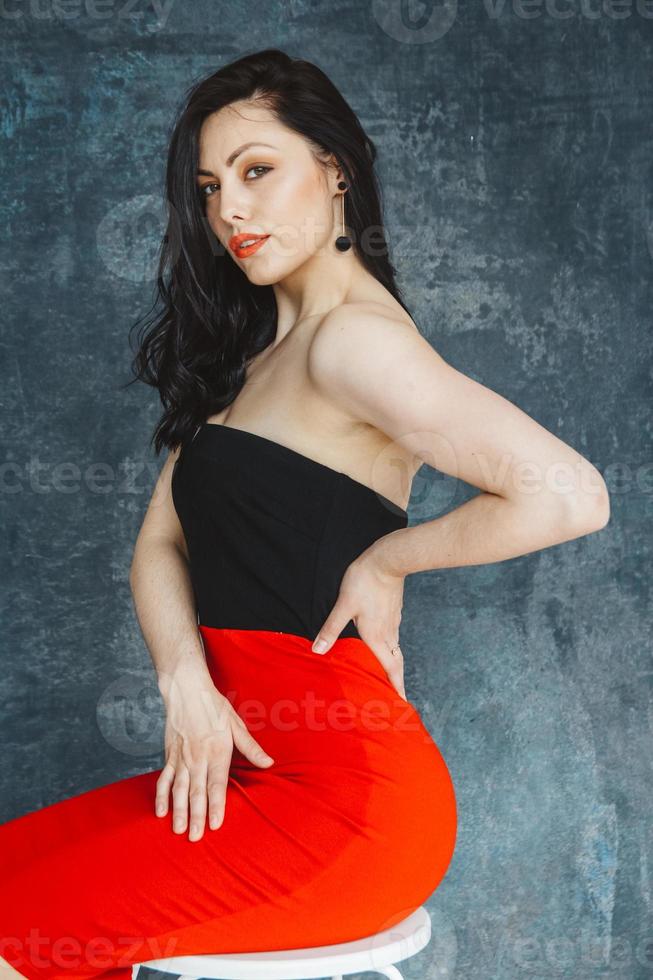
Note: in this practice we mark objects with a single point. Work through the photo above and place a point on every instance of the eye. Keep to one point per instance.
(203, 190)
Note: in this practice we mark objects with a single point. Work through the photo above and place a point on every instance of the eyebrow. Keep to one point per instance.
(232, 157)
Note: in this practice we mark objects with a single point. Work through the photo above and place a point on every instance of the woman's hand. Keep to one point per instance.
(202, 728)
(372, 598)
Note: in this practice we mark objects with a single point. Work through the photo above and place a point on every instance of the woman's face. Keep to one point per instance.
(278, 190)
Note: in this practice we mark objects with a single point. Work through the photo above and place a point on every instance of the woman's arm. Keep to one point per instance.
(202, 726)
(536, 490)
(163, 595)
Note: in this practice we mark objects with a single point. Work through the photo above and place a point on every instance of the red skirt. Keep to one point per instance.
(349, 830)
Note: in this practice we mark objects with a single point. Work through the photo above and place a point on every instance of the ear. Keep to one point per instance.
(334, 174)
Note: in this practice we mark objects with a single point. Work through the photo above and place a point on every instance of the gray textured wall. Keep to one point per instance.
(516, 155)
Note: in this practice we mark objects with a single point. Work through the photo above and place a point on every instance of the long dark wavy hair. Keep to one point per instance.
(213, 320)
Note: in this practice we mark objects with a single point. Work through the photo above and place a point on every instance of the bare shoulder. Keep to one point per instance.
(371, 329)
(358, 319)
(363, 351)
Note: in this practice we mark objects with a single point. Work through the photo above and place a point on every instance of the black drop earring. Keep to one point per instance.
(343, 242)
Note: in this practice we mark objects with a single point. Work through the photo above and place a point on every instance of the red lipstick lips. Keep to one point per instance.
(242, 250)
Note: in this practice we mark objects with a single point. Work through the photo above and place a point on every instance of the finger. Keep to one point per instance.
(393, 664)
(217, 780)
(396, 675)
(162, 789)
(197, 800)
(249, 746)
(180, 799)
(332, 627)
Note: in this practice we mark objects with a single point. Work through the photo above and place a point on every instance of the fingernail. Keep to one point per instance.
(194, 830)
(319, 646)
(264, 757)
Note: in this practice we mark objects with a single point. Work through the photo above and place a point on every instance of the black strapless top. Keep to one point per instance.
(270, 532)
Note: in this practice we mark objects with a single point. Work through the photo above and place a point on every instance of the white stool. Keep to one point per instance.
(377, 953)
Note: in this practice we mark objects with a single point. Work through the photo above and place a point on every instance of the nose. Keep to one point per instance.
(233, 216)
(232, 209)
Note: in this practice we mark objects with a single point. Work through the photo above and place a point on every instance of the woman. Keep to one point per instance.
(302, 801)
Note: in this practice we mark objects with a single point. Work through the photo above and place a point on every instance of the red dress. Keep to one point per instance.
(349, 830)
